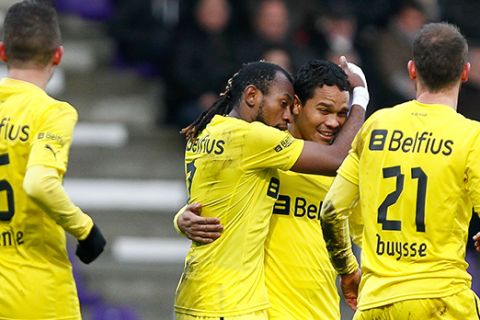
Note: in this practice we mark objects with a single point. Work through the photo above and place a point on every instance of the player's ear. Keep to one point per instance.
(412, 70)
(57, 55)
(297, 104)
(465, 72)
(3, 52)
(251, 95)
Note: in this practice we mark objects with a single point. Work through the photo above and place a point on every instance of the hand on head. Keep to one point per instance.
(357, 81)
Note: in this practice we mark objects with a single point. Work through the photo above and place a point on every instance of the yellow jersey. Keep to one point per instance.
(231, 169)
(418, 174)
(300, 279)
(35, 271)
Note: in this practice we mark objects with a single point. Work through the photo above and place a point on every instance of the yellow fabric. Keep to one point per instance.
(43, 185)
(231, 169)
(463, 305)
(259, 315)
(355, 224)
(299, 276)
(418, 173)
(339, 201)
(35, 271)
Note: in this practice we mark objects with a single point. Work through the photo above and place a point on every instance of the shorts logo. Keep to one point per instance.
(377, 140)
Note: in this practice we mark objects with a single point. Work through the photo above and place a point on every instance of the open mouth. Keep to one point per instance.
(327, 135)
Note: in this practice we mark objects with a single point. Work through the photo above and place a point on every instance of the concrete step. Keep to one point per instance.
(150, 153)
(114, 95)
(147, 286)
(148, 289)
(132, 223)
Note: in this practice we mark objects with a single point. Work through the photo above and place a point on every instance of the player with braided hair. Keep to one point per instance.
(232, 169)
(300, 279)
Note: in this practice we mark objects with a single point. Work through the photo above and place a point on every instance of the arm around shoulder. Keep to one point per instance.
(326, 159)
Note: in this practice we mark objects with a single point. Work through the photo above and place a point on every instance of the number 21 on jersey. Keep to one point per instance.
(396, 173)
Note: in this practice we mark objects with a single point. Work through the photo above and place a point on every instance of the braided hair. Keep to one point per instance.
(259, 73)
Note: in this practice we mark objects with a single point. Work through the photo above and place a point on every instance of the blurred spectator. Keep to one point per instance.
(280, 56)
(393, 51)
(465, 14)
(202, 60)
(468, 102)
(271, 28)
(141, 30)
(335, 33)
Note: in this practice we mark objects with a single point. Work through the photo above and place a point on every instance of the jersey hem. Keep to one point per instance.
(423, 295)
(200, 313)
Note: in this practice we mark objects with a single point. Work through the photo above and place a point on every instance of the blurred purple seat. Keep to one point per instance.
(112, 312)
(473, 259)
(85, 296)
(88, 9)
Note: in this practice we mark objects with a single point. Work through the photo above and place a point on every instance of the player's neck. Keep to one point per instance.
(242, 113)
(448, 97)
(294, 131)
(38, 77)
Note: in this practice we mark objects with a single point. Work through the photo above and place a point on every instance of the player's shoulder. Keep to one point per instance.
(58, 107)
(387, 112)
(470, 128)
(44, 101)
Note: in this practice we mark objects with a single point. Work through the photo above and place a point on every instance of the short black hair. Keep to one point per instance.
(440, 52)
(317, 73)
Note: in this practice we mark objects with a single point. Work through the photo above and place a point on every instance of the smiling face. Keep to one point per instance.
(321, 117)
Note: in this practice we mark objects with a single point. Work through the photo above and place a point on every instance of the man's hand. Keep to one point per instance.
(476, 238)
(355, 74)
(358, 82)
(196, 228)
(92, 246)
(349, 284)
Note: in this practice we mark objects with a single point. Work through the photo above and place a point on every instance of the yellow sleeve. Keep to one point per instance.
(175, 220)
(473, 172)
(272, 148)
(50, 145)
(339, 201)
(355, 223)
(44, 186)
